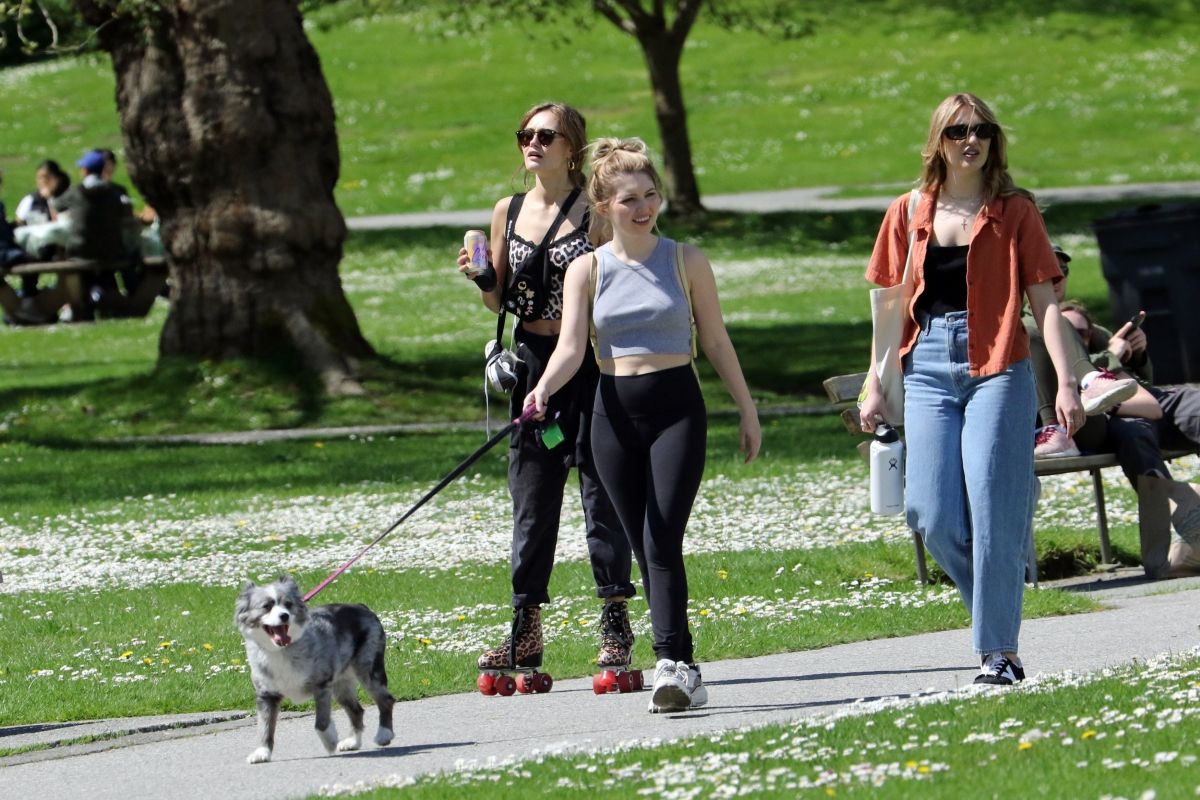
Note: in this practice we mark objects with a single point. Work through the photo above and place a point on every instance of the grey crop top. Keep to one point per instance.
(640, 309)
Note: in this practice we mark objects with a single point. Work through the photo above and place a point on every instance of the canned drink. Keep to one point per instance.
(475, 243)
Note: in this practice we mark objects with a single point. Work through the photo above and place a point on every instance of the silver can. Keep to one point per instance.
(475, 243)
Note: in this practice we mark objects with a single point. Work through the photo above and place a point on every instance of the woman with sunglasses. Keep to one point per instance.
(551, 139)
(640, 294)
(979, 248)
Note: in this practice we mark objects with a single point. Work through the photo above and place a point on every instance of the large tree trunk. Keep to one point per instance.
(229, 134)
(662, 42)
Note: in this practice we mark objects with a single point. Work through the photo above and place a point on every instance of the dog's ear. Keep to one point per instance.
(241, 608)
(289, 582)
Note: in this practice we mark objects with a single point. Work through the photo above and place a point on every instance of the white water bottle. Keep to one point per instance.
(887, 471)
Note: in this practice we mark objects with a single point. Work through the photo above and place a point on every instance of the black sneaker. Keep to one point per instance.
(1000, 670)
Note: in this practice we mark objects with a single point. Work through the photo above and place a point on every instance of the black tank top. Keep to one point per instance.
(945, 280)
(561, 253)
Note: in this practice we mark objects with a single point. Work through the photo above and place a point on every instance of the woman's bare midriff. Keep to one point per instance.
(543, 327)
(625, 366)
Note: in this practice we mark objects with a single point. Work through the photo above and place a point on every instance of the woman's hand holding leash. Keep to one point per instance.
(534, 404)
(533, 409)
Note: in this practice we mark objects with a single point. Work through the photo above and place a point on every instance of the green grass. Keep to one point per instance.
(128, 652)
(425, 120)
(1132, 733)
(127, 536)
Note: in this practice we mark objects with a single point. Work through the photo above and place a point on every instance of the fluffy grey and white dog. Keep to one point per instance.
(321, 653)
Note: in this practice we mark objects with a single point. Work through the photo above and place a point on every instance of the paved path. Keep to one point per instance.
(206, 759)
(820, 198)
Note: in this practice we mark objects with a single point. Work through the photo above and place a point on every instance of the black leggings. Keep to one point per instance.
(648, 439)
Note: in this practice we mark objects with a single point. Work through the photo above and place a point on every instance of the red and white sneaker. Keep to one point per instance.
(1053, 442)
(1105, 392)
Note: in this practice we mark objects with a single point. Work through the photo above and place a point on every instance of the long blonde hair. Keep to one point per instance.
(573, 127)
(997, 182)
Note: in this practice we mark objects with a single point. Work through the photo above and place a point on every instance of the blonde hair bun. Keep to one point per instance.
(606, 146)
(613, 156)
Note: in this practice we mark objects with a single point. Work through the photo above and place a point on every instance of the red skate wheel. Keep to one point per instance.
(526, 683)
(486, 683)
(599, 684)
(623, 682)
(505, 685)
(542, 683)
(635, 680)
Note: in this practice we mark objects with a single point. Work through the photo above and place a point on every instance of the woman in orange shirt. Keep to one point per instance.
(979, 249)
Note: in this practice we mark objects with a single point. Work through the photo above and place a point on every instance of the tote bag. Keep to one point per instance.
(889, 309)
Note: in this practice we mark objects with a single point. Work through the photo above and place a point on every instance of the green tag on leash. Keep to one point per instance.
(552, 436)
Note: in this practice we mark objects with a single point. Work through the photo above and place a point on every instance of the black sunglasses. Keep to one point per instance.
(984, 130)
(545, 136)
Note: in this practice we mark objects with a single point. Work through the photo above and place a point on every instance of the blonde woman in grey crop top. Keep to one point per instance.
(647, 334)
(649, 424)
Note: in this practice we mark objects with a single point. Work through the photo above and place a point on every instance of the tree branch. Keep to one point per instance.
(606, 10)
(685, 17)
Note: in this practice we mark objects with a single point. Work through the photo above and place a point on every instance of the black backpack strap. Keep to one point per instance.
(499, 345)
(514, 210)
(562, 215)
(563, 210)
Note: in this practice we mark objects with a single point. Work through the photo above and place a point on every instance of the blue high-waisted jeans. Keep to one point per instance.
(969, 470)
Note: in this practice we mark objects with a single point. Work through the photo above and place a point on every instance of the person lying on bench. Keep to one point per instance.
(1173, 410)
(1144, 419)
(1100, 388)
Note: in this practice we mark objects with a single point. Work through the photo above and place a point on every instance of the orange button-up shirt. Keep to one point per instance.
(1009, 251)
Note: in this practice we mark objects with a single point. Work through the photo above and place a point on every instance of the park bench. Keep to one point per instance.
(843, 392)
(70, 287)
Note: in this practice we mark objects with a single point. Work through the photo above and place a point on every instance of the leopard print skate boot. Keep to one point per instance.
(523, 646)
(616, 636)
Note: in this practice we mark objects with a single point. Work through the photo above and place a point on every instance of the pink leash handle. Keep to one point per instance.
(525, 417)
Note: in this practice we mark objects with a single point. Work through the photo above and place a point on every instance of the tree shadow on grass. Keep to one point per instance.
(792, 360)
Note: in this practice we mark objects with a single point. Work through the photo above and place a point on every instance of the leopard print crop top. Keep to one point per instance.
(562, 251)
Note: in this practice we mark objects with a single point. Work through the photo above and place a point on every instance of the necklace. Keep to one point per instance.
(961, 206)
(966, 219)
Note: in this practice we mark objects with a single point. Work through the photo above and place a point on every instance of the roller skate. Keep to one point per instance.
(616, 652)
(521, 653)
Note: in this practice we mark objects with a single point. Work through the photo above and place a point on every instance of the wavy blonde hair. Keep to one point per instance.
(997, 182)
(573, 127)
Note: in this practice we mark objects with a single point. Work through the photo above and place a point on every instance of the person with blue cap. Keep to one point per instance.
(97, 214)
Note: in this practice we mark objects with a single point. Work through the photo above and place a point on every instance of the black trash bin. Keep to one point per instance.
(1150, 256)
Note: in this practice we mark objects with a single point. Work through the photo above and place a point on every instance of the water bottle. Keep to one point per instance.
(887, 471)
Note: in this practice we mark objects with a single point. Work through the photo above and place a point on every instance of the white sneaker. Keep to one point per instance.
(677, 687)
(1053, 441)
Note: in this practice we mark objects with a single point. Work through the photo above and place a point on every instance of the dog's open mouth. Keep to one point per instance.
(278, 634)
